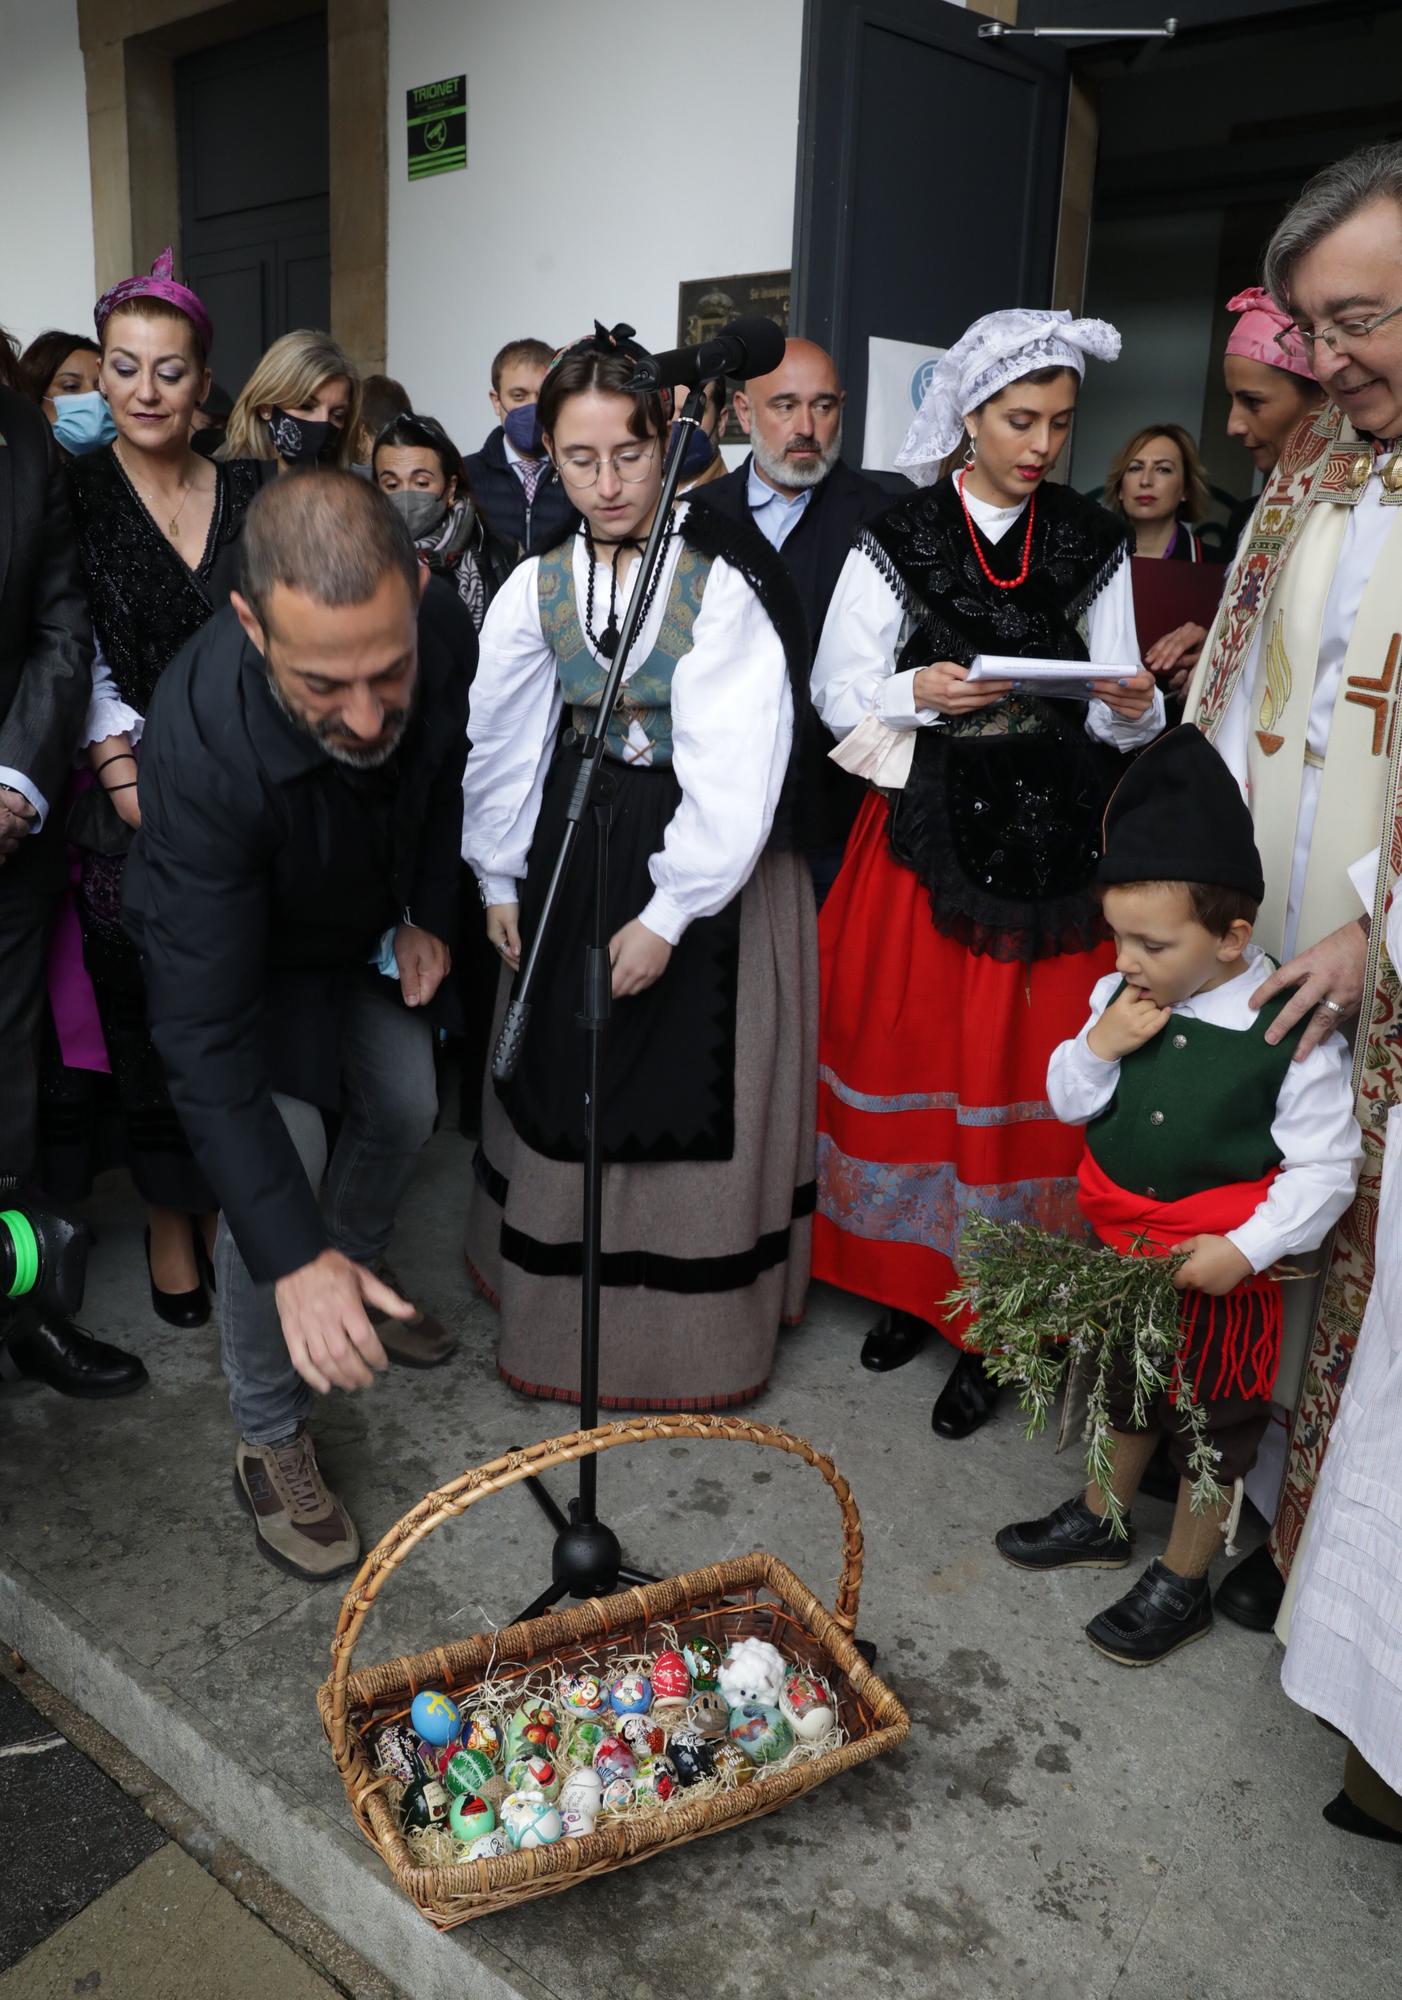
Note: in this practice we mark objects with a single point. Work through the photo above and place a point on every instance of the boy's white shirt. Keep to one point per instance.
(1314, 1126)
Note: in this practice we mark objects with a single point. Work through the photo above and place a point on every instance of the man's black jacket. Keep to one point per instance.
(814, 554)
(261, 881)
(501, 500)
(45, 637)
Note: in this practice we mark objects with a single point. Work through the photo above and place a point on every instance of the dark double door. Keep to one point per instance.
(255, 180)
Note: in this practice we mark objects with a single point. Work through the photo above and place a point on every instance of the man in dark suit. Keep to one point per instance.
(809, 505)
(301, 817)
(45, 679)
(516, 488)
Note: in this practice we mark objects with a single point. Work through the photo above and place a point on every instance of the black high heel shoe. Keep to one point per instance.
(183, 1309)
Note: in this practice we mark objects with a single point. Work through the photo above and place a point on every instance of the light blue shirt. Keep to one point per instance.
(774, 516)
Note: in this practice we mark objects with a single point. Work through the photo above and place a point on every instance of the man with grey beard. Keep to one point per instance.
(804, 500)
(293, 891)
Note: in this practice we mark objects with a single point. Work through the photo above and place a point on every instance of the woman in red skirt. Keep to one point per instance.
(962, 936)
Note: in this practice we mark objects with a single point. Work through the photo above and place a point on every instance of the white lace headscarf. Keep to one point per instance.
(998, 349)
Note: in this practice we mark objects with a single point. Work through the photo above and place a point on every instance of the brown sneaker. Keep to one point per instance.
(301, 1525)
(420, 1342)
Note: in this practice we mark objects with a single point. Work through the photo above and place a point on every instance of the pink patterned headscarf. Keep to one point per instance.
(159, 283)
(1255, 331)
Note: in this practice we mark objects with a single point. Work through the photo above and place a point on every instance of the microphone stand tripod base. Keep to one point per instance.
(587, 1559)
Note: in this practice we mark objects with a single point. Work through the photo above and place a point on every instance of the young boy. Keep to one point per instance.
(1200, 1137)
(511, 479)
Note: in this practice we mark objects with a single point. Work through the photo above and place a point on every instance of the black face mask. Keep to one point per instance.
(301, 440)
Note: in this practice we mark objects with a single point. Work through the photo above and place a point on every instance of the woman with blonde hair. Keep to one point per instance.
(300, 406)
(1156, 483)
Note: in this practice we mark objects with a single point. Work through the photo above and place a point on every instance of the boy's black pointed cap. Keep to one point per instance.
(1177, 815)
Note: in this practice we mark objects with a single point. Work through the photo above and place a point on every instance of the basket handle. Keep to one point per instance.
(447, 1502)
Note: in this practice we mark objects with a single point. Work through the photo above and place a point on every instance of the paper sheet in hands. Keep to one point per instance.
(1068, 680)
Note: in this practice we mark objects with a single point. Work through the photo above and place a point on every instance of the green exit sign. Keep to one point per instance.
(437, 121)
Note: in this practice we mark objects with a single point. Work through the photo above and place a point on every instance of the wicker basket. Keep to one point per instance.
(747, 1596)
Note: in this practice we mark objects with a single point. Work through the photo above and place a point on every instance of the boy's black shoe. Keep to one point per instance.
(1071, 1537)
(1161, 1613)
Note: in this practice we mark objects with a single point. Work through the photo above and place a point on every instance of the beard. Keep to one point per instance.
(356, 757)
(786, 471)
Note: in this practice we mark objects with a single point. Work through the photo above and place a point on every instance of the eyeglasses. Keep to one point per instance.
(630, 463)
(1330, 336)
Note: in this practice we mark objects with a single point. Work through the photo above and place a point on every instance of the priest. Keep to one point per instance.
(1298, 687)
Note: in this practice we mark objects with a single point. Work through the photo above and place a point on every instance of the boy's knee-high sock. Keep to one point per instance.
(1130, 1455)
(1195, 1538)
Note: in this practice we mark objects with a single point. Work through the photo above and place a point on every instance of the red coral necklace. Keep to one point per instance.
(1000, 582)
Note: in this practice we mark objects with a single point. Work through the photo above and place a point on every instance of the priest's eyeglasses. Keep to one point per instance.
(631, 463)
(1330, 336)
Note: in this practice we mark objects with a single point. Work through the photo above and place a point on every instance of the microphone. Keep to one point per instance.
(749, 346)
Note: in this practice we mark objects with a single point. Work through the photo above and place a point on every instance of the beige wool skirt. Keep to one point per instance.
(702, 1260)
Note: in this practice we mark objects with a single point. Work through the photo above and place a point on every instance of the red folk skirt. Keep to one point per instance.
(932, 1086)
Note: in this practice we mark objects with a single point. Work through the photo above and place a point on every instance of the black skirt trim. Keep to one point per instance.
(659, 1273)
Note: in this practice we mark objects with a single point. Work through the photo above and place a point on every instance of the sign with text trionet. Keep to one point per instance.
(437, 118)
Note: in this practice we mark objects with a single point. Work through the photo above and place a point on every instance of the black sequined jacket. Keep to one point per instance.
(145, 601)
(1001, 815)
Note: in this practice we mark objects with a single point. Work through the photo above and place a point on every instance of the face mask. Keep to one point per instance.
(421, 513)
(522, 427)
(301, 440)
(83, 423)
(697, 453)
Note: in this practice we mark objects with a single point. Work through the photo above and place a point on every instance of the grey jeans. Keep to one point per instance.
(389, 1099)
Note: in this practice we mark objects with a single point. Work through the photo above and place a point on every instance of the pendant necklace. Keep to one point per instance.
(173, 526)
(1001, 582)
(605, 643)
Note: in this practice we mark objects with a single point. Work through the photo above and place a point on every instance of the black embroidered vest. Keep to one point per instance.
(1001, 815)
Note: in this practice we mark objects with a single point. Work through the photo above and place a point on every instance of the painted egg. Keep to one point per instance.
(613, 1759)
(585, 1738)
(642, 1735)
(425, 1804)
(709, 1713)
(580, 1695)
(618, 1795)
(730, 1765)
(761, 1732)
(466, 1772)
(702, 1658)
(671, 1683)
(469, 1818)
(582, 1791)
(396, 1751)
(435, 1717)
(631, 1694)
(530, 1820)
(576, 1822)
(536, 1723)
(533, 1774)
(691, 1755)
(482, 1734)
(806, 1705)
(656, 1779)
(752, 1672)
(490, 1846)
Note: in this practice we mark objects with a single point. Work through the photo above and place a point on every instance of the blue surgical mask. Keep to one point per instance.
(83, 423)
(522, 427)
(697, 453)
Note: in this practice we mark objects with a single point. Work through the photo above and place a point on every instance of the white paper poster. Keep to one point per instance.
(898, 374)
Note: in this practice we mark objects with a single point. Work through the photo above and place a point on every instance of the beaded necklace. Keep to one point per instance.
(606, 642)
(1000, 582)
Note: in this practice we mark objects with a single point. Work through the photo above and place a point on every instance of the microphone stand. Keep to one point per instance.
(587, 1559)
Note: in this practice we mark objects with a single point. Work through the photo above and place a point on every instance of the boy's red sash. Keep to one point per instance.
(1231, 1345)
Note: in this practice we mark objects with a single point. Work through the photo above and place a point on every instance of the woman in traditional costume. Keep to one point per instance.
(156, 528)
(962, 935)
(707, 1108)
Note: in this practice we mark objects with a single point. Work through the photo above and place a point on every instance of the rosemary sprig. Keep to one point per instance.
(1041, 1302)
